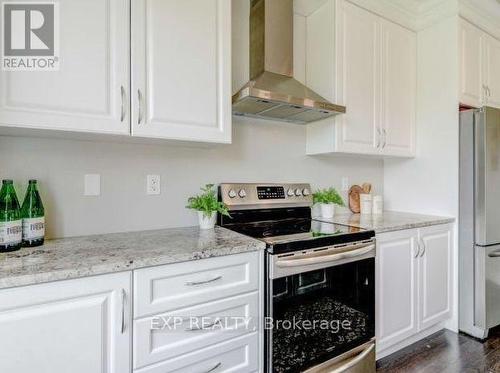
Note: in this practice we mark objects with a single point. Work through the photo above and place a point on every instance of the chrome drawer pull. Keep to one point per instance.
(218, 365)
(494, 254)
(197, 328)
(197, 283)
(123, 311)
(122, 117)
(355, 361)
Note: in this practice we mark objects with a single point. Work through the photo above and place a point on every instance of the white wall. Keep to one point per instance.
(261, 152)
(428, 184)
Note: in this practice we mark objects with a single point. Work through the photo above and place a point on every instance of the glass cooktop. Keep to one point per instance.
(296, 229)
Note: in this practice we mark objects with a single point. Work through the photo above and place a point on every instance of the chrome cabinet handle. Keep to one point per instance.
(124, 98)
(197, 328)
(218, 365)
(417, 254)
(123, 311)
(423, 247)
(494, 254)
(385, 138)
(140, 98)
(378, 137)
(355, 361)
(489, 91)
(197, 283)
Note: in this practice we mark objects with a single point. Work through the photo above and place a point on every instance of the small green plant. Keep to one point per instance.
(207, 203)
(329, 195)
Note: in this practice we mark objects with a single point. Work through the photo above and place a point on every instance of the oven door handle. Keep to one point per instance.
(352, 363)
(317, 259)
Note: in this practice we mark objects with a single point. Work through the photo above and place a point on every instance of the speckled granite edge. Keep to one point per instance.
(78, 257)
(389, 221)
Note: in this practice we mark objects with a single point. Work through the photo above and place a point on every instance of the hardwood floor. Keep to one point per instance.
(446, 352)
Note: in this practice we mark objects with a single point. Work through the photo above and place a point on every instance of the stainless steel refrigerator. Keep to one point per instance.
(479, 234)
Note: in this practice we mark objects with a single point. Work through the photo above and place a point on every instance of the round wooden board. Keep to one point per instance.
(354, 202)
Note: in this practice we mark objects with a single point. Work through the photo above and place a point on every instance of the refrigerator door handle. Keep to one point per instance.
(494, 254)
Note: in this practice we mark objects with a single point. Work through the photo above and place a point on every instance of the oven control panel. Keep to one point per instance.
(255, 196)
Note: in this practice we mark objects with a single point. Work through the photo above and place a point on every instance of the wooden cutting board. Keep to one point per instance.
(354, 199)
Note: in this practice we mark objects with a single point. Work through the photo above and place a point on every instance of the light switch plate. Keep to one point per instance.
(153, 184)
(92, 185)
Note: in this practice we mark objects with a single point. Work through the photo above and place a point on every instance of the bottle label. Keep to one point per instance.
(33, 228)
(11, 232)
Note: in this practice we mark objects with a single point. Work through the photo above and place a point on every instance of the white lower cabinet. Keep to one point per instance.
(77, 326)
(413, 282)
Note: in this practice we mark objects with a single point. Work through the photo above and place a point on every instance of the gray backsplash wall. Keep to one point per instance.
(260, 152)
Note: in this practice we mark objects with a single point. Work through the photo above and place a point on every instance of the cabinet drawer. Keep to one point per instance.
(239, 355)
(170, 287)
(171, 334)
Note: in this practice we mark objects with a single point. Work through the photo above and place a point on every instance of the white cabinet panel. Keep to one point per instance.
(396, 279)
(399, 76)
(358, 78)
(90, 90)
(237, 355)
(435, 302)
(77, 326)
(492, 70)
(170, 287)
(471, 91)
(181, 79)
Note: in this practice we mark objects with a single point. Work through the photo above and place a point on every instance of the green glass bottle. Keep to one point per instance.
(33, 215)
(11, 226)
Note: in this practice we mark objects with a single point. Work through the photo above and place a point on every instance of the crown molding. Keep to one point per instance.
(486, 16)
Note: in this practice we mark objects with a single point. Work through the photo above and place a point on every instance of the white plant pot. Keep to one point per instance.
(327, 228)
(207, 222)
(327, 210)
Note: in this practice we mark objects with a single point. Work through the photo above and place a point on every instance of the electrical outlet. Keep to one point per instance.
(92, 185)
(153, 186)
(345, 184)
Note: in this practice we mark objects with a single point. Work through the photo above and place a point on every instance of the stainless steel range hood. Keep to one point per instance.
(272, 92)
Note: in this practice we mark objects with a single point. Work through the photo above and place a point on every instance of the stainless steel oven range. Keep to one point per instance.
(320, 280)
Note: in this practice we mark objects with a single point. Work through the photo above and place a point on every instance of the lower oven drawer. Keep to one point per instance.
(236, 355)
(176, 333)
(358, 360)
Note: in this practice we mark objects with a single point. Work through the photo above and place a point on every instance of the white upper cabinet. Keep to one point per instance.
(399, 88)
(89, 92)
(479, 55)
(374, 76)
(181, 78)
(492, 71)
(358, 77)
(471, 89)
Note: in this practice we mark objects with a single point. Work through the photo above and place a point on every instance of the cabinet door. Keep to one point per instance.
(471, 85)
(181, 79)
(89, 92)
(396, 287)
(492, 70)
(77, 326)
(435, 274)
(358, 79)
(398, 80)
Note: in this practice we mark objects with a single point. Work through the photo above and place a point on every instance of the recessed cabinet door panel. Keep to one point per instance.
(90, 90)
(399, 75)
(470, 64)
(72, 326)
(358, 75)
(492, 73)
(182, 69)
(396, 287)
(435, 300)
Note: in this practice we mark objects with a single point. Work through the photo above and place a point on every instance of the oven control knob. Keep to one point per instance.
(305, 192)
(298, 192)
(231, 193)
(290, 192)
(242, 193)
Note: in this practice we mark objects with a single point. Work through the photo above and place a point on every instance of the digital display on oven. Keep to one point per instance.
(271, 192)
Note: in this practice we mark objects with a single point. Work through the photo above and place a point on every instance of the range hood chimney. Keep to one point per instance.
(272, 92)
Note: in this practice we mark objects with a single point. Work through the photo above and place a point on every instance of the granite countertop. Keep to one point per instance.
(388, 221)
(92, 255)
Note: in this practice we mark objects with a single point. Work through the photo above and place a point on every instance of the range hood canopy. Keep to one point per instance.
(272, 92)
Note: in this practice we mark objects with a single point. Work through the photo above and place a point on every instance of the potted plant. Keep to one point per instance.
(327, 199)
(207, 206)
